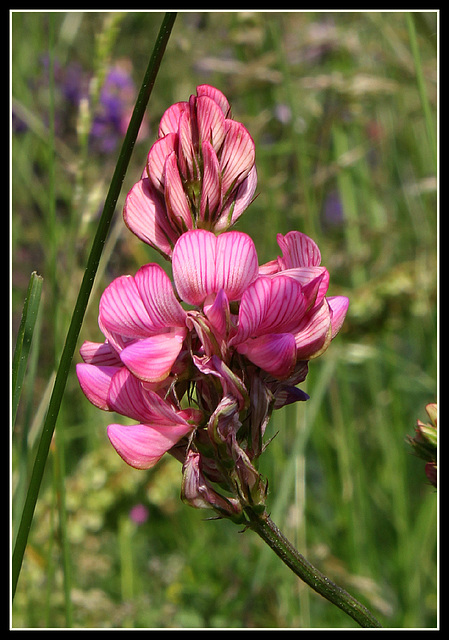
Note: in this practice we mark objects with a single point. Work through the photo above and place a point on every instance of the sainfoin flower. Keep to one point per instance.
(244, 330)
(200, 173)
(200, 360)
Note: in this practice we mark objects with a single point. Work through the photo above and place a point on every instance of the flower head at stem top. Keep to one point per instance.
(200, 173)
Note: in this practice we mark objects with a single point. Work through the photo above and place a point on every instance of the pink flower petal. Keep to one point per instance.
(314, 334)
(339, 307)
(95, 382)
(145, 215)
(216, 95)
(194, 266)
(122, 310)
(274, 353)
(157, 295)
(298, 250)
(170, 120)
(142, 446)
(157, 156)
(152, 358)
(178, 208)
(270, 305)
(211, 122)
(131, 397)
(218, 314)
(211, 188)
(99, 353)
(238, 201)
(236, 264)
(203, 264)
(237, 155)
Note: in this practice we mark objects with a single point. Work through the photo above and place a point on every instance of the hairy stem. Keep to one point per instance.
(270, 533)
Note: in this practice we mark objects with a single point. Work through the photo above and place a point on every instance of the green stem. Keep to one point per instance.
(84, 294)
(269, 532)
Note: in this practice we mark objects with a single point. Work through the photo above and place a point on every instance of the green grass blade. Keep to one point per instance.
(84, 293)
(24, 337)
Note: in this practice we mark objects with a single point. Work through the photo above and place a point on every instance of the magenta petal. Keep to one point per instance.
(95, 382)
(170, 120)
(175, 198)
(142, 446)
(216, 95)
(236, 264)
(157, 295)
(298, 250)
(211, 122)
(314, 334)
(237, 156)
(339, 307)
(122, 310)
(274, 353)
(218, 314)
(157, 156)
(145, 215)
(129, 396)
(152, 358)
(238, 201)
(211, 189)
(99, 353)
(194, 266)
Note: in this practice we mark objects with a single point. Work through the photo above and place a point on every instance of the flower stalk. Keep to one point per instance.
(262, 524)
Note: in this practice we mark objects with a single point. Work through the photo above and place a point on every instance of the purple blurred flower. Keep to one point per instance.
(139, 513)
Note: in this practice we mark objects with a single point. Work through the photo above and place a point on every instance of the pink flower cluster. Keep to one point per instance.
(200, 363)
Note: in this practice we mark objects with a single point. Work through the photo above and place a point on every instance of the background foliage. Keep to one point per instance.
(345, 143)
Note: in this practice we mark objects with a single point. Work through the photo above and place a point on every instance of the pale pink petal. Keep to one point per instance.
(170, 120)
(211, 185)
(237, 155)
(236, 264)
(142, 446)
(122, 310)
(176, 200)
(314, 280)
(186, 150)
(157, 156)
(274, 353)
(131, 397)
(215, 94)
(218, 313)
(211, 122)
(156, 292)
(238, 201)
(270, 305)
(95, 382)
(145, 215)
(152, 358)
(194, 265)
(99, 353)
(339, 307)
(298, 250)
(314, 334)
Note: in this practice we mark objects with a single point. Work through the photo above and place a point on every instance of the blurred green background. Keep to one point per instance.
(342, 108)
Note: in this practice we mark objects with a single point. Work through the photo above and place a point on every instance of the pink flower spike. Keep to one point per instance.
(152, 358)
(95, 382)
(145, 215)
(142, 446)
(339, 307)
